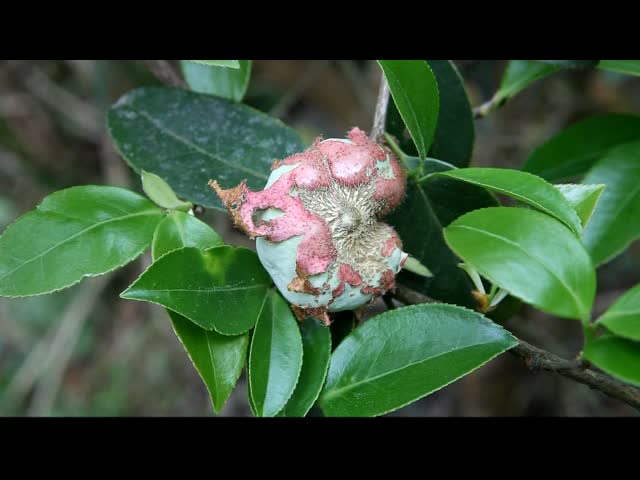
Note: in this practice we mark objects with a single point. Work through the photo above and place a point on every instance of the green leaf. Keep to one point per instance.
(522, 186)
(631, 67)
(414, 89)
(218, 359)
(455, 132)
(402, 355)
(518, 75)
(316, 347)
(419, 220)
(574, 150)
(74, 233)
(275, 359)
(220, 289)
(219, 63)
(161, 193)
(395, 126)
(224, 82)
(531, 255)
(583, 198)
(180, 230)
(188, 138)
(616, 356)
(572, 64)
(615, 223)
(623, 317)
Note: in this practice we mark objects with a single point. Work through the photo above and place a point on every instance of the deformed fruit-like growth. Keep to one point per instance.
(318, 227)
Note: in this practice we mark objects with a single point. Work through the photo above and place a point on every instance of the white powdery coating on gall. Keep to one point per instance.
(357, 235)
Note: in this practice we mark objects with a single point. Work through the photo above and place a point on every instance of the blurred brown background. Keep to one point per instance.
(85, 352)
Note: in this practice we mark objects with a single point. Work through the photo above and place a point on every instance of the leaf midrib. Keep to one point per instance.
(339, 391)
(185, 141)
(578, 304)
(202, 290)
(575, 228)
(77, 234)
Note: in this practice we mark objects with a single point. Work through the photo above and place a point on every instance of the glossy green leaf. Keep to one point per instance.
(74, 233)
(402, 355)
(419, 220)
(572, 64)
(518, 75)
(522, 186)
(188, 138)
(583, 198)
(394, 125)
(218, 359)
(616, 221)
(455, 132)
(616, 356)
(414, 89)
(219, 63)
(623, 317)
(631, 67)
(161, 193)
(224, 82)
(316, 348)
(180, 230)
(220, 289)
(531, 255)
(574, 150)
(275, 359)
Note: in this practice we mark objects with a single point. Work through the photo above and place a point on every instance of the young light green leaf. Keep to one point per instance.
(219, 289)
(522, 186)
(230, 83)
(275, 358)
(180, 230)
(623, 317)
(531, 255)
(518, 75)
(583, 198)
(218, 359)
(419, 220)
(161, 193)
(405, 354)
(74, 233)
(631, 67)
(615, 223)
(616, 356)
(574, 150)
(316, 347)
(414, 89)
(219, 63)
(413, 265)
(455, 132)
(188, 138)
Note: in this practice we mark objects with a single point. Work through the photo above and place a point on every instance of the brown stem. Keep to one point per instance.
(537, 359)
(164, 72)
(380, 117)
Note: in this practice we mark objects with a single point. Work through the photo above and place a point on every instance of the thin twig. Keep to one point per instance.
(380, 117)
(409, 296)
(537, 359)
(164, 72)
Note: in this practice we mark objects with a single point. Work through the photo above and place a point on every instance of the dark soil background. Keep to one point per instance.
(85, 352)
